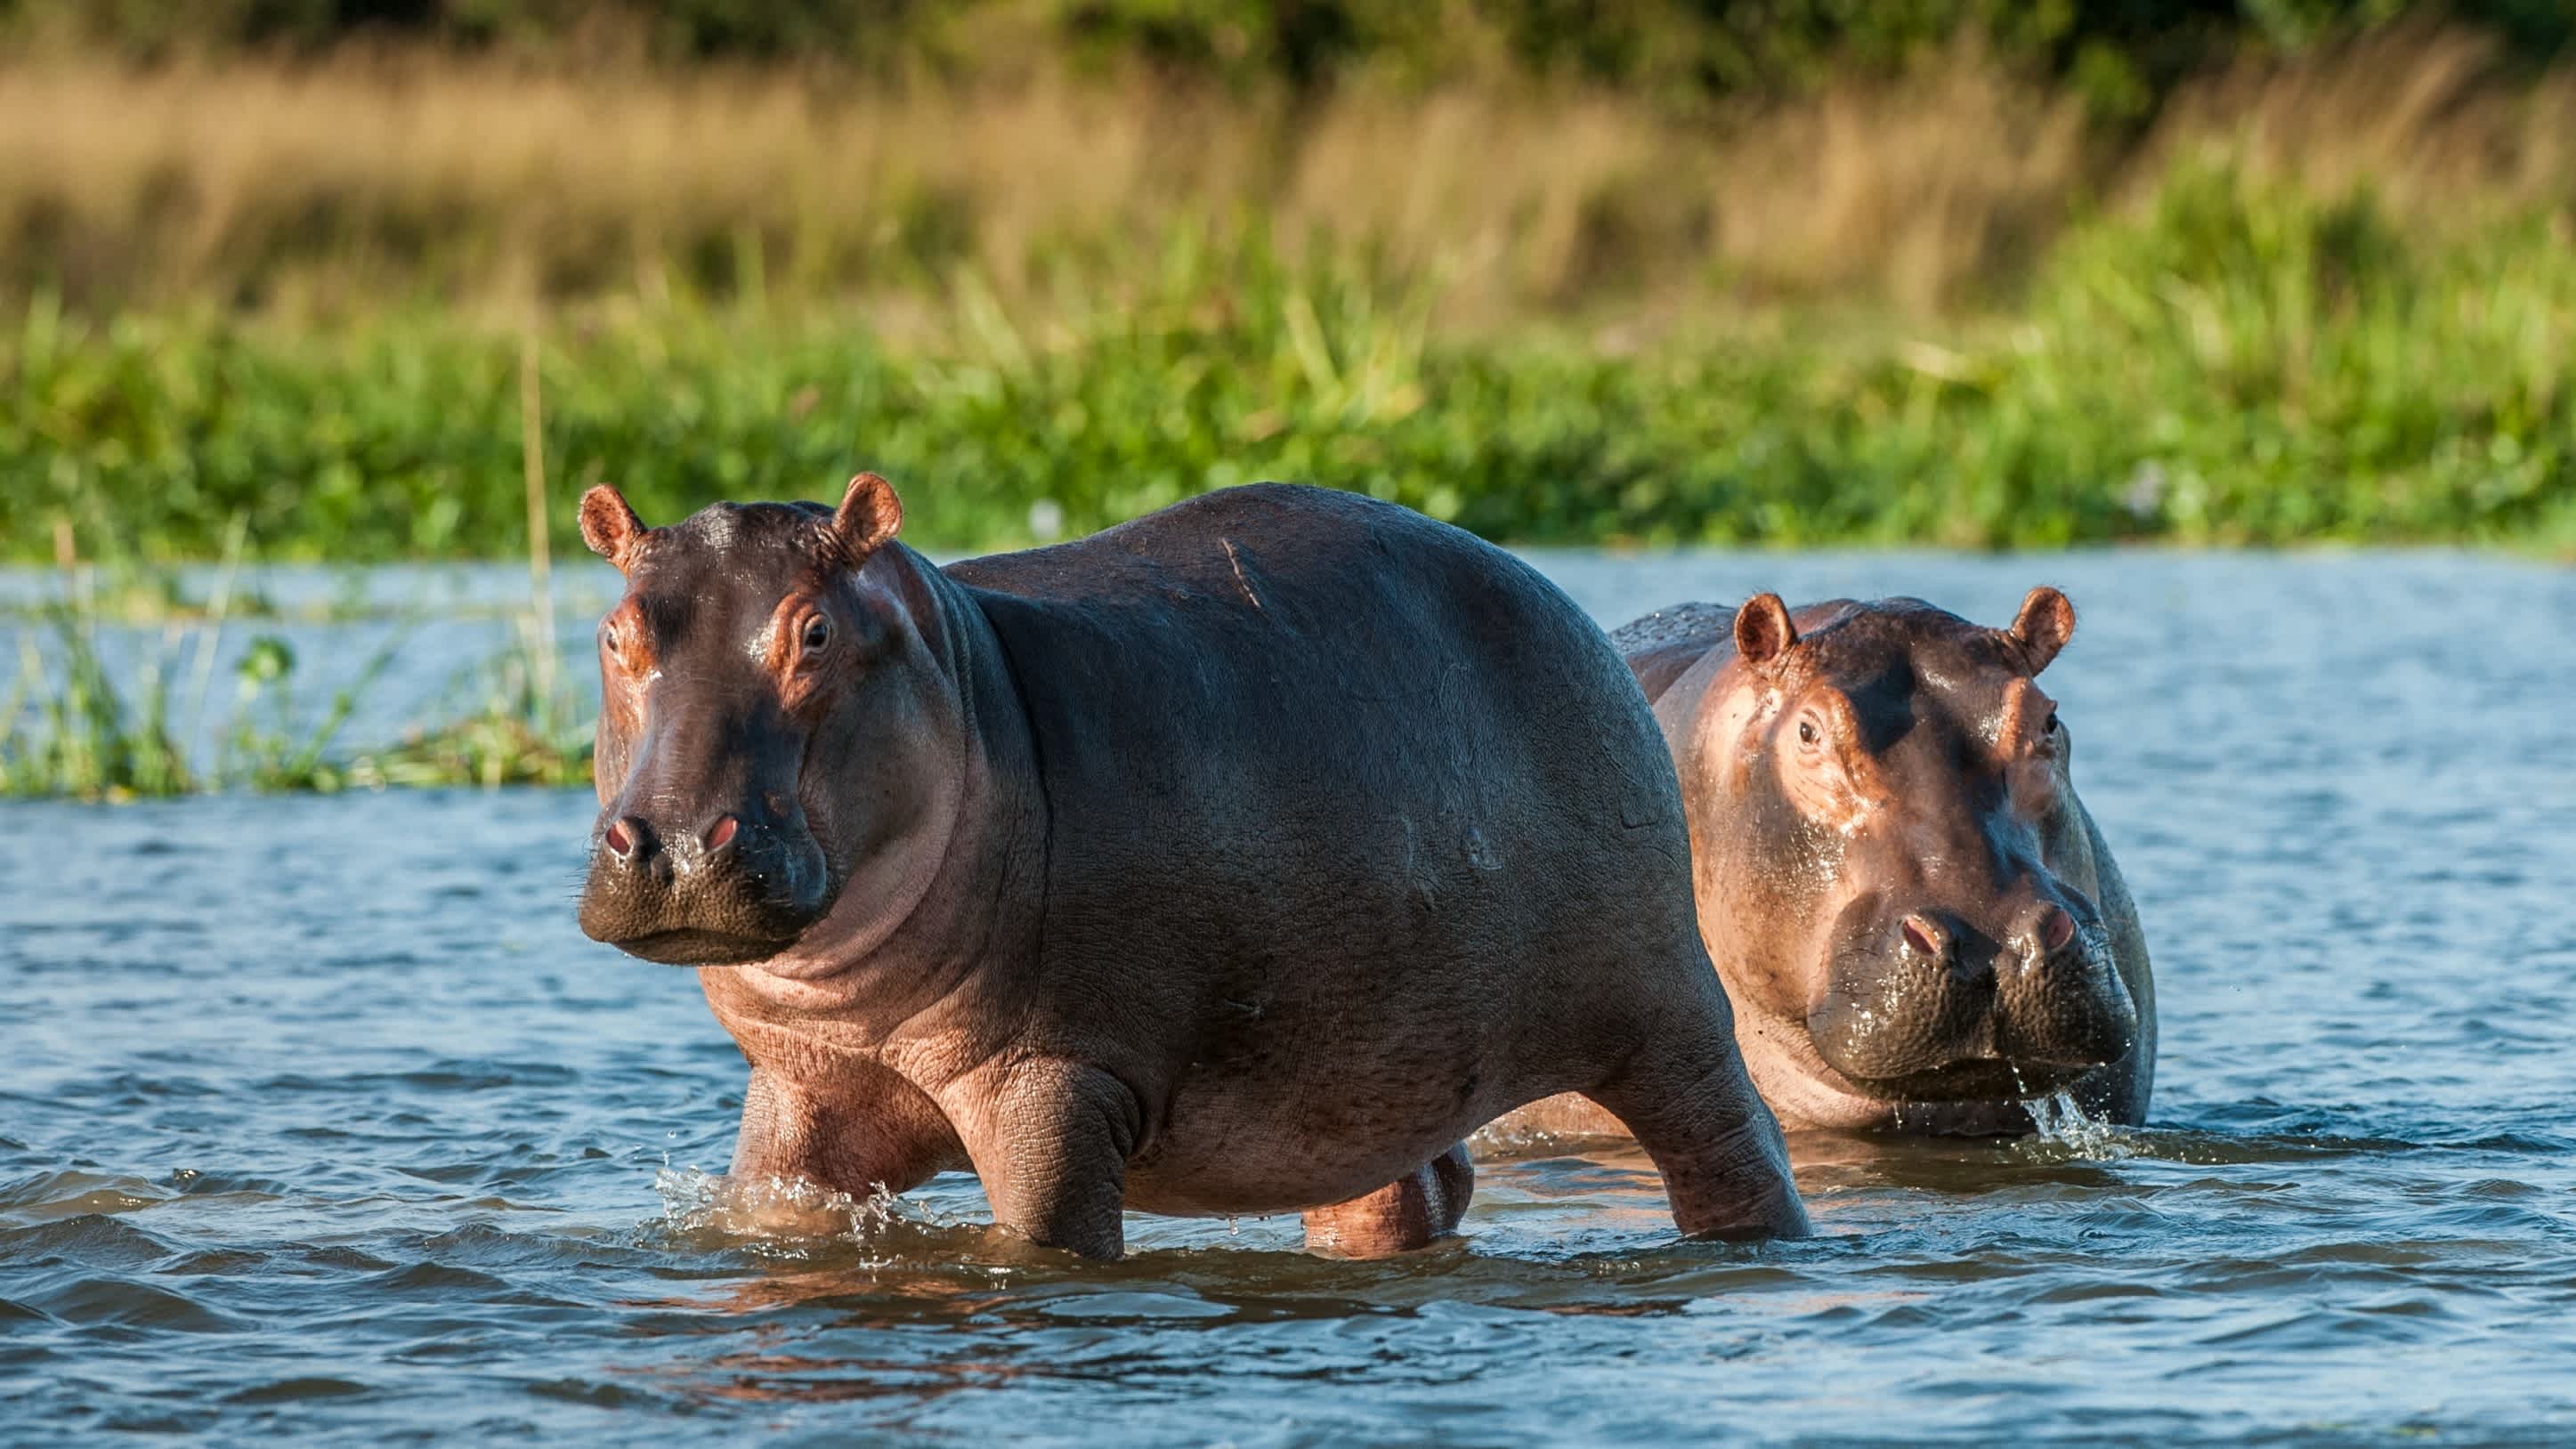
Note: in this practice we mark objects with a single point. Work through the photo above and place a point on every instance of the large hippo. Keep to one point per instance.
(1917, 922)
(1241, 859)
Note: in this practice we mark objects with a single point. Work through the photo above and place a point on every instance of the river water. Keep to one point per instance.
(319, 1117)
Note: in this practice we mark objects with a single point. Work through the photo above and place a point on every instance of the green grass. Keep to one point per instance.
(2228, 364)
(70, 727)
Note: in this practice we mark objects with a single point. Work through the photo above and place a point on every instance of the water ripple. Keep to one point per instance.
(352, 1138)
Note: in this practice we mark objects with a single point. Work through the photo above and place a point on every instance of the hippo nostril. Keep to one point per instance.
(1926, 938)
(721, 834)
(2056, 929)
(624, 838)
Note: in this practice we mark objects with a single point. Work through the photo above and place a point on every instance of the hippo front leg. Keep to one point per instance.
(861, 1132)
(1414, 1211)
(1051, 1141)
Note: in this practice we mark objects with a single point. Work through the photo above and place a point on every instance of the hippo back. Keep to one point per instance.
(1298, 668)
(1662, 646)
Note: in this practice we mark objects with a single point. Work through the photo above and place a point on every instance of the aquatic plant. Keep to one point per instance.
(68, 729)
(519, 723)
(86, 738)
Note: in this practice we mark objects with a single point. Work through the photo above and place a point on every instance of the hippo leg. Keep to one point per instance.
(1686, 1098)
(1411, 1212)
(872, 1133)
(1052, 1148)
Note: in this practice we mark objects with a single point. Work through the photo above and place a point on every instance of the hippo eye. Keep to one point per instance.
(2051, 726)
(817, 635)
(1806, 732)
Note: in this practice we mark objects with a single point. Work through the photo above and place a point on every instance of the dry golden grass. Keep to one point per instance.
(2426, 118)
(345, 181)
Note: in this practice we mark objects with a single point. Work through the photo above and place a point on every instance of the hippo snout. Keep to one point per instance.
(1929, 1007)
(2064, 1006)
(721, 891)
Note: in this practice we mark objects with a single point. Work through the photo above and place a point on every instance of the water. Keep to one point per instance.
(320, 1117)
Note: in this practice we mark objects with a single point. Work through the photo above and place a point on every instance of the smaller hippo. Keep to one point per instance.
(1241, 859)
(1918, 924)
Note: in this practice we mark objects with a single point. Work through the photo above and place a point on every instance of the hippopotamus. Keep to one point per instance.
(1918, 923)
(1241, 859)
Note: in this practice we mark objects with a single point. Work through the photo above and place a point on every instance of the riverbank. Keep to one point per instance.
(2228, 362)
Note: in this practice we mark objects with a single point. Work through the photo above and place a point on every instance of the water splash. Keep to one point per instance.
(2064, 1131)
(785, 1217)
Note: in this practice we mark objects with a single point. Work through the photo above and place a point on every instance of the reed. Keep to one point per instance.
(71, 727)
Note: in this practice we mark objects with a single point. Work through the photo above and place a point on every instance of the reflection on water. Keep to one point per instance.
(320, 1117)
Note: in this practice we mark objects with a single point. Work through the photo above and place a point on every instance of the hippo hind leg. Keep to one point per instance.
(1685, 1096)
(1414, 1211)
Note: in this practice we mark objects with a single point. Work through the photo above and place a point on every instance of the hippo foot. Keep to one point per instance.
(1414, 1211)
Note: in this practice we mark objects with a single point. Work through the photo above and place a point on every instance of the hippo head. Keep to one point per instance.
(756, 732)
(1898, 840)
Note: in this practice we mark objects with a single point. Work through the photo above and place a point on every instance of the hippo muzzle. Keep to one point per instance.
(736, 888)
(1924, 1006)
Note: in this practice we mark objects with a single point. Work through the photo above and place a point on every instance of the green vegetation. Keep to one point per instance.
(288, 280)
(517, 722)
(2230, 364)
(68, 728)
(87, 740)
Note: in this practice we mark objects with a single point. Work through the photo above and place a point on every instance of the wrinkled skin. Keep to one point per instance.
(1240, 860)
(1917, 922)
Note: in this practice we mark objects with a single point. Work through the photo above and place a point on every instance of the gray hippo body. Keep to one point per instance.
(1241, 859)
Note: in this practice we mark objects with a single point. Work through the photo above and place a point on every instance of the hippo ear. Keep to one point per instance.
(868, 516)
(608, 525)
(2042, 627)
(1763, 632)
